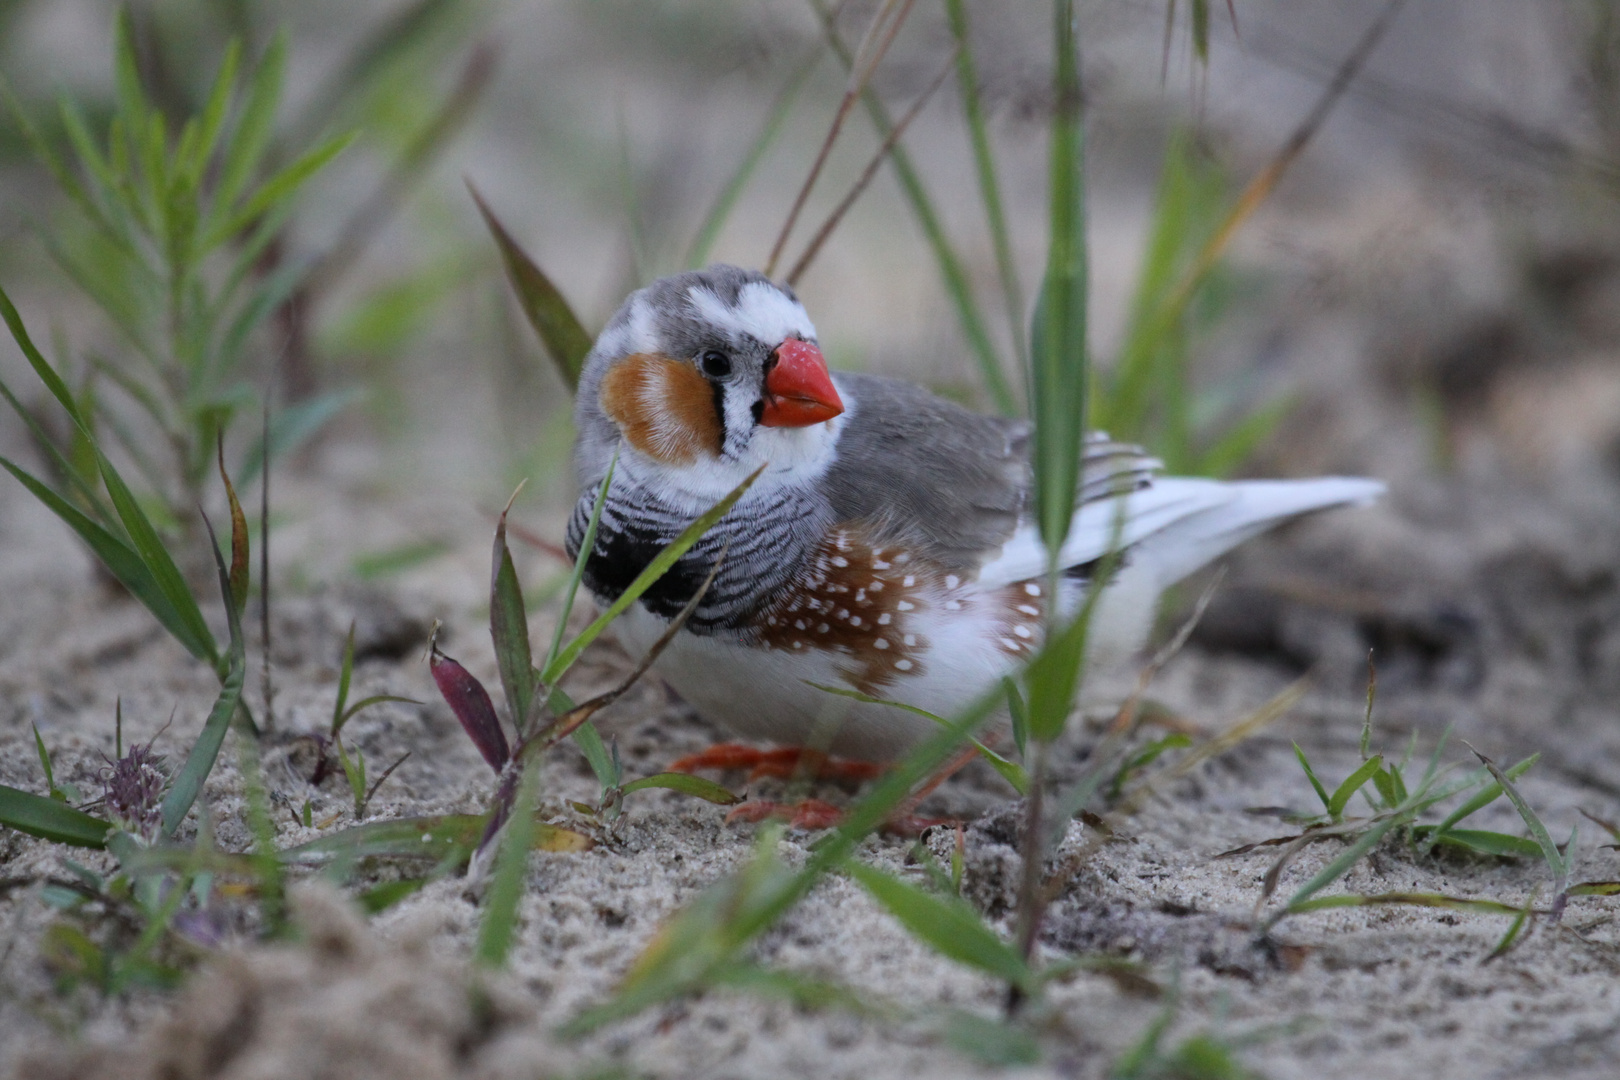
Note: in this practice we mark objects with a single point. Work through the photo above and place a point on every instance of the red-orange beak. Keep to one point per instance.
(798, 389)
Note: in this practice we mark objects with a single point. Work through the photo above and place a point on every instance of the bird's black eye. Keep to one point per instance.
(715, 364)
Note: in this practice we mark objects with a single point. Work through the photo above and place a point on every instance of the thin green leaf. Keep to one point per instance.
(948, 924)
(1594, 888)
(587, 545)
(1018, 713)
(1058, 366)
(119, 559)
(1010, 771)
(1483, 798)
(374, 699)
(1369, 769)
(1342, 864)
(499, 924)
(1310, 774)
(1556, 860)
(212, 121)
(647, 578)
(1515, 928)
(1483, 842)
(989, 187)
(188, 782)
(345, 677)
(1407, 899)
(954, 277)
(354, 771)
(45, 764)
(686, 784)
(50, 819)
(543, 304)
(277, 189)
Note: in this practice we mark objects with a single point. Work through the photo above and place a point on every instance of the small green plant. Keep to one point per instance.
(170, 227)
(354, 768)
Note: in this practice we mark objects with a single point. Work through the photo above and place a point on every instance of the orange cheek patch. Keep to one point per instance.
(664, 407)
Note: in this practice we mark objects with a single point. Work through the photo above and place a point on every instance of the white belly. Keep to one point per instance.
(770, 694)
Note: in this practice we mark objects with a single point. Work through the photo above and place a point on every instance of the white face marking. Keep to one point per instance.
(763, 312)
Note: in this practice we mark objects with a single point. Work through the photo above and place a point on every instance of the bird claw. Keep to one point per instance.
(782, 763)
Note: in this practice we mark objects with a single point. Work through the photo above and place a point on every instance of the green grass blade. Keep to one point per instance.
(947, 924)
(1557, 862)
(955, 278)
(188, 782)
(498, 927)
(1353, 783)
(587, 545)
(212, 121)
(1310, 774)
(646, 579)
(276, 190)
(686, 784)
(1342, 864)
(1483, 798)
(345, 677)
(1058, 367)
(50, 819)
(543, 304)
(989, 187)
(1010, 771)
(1428, 900)
(120, 560)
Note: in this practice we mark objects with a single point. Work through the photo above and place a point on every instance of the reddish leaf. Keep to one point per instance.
(470, 702)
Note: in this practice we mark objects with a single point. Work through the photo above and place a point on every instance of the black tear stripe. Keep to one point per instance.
(719, 392)
(765, 543)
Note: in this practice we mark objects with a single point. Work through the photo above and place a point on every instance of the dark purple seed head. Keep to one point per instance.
(132, 791)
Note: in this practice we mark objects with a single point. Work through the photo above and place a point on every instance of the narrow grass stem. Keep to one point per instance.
(879, 36)
(865, 179)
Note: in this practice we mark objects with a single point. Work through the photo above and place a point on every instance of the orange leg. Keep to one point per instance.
(784, 762)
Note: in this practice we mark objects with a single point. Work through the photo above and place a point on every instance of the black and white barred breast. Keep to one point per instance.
(763, 541)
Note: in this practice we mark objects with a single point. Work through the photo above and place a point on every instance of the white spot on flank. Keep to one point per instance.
(843, 613)
(902, 665)
(1029, 609)
(1009, 643)
(876, 586)
(860, 595)
(1021, 631)
(822, 629)
(905, 605)
(903, 558)
(798, 624)
(910, 639)
(798, 644)
(883, 619)
(856, 621)
(839, 560)
(908, 581)
(880, 643)
(953, 605)
(1032, 589)
(879, 564)
(771, 621)
(952, 581)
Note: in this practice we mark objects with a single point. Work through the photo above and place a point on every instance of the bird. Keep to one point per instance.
(886, 546)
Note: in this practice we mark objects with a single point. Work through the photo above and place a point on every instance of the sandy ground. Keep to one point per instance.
(1487, 584)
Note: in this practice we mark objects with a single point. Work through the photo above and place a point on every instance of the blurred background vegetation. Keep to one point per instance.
(1451, 228)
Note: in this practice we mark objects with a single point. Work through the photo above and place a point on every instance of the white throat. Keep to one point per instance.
(792, 457)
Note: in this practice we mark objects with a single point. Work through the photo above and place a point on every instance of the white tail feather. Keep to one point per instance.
(1178, 524)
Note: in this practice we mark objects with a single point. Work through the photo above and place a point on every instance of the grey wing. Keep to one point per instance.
(955, 483)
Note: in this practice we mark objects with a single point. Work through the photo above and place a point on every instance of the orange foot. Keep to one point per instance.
(815, 814)
(784, 763)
